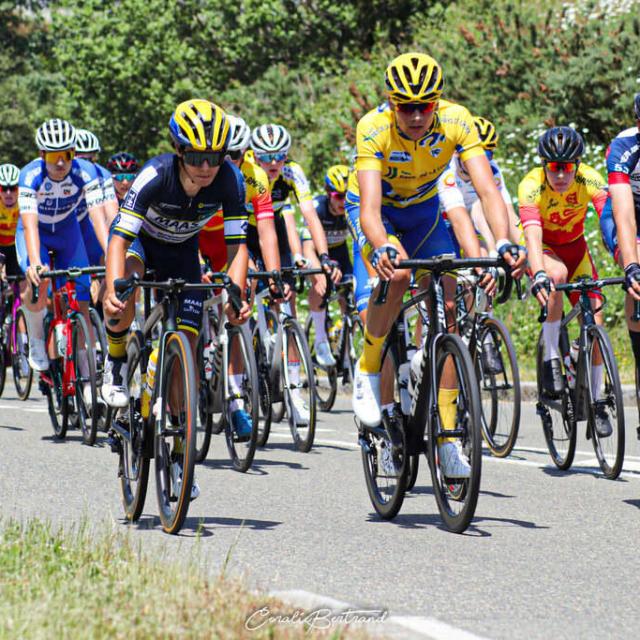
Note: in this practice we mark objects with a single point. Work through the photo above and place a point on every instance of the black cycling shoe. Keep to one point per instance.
(491, 361)
(552, 380)
(603, 422)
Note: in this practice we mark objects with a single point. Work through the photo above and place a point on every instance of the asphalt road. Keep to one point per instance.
(549, 554)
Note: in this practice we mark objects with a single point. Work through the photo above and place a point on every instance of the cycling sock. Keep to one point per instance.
(117, 341)
(235, 386)
(388, 408)
(319, 325)
(35, 323)
(635, 345)
(371, 359)
(596, 380)
(447, 407)
(293, 368)
(551, 337)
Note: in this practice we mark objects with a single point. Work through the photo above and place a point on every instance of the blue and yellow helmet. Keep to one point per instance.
(200, 125)
(337, 177)
(414, 77)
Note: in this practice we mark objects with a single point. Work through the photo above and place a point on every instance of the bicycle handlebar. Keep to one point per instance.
(73, 273)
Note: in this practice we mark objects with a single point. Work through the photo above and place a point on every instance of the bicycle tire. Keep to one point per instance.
(22, 383)
(609, 450)
(57, 403)
(326, 378)
(457, 498)
(355, 344)
(105, 412)
(134, 463)
(204, 426)
(276, 376)
(263, 368)
(303, 435)
(173, 506)
(86, 414)
(499, 390)
(3, 366)
(242, 453)
(558, 419)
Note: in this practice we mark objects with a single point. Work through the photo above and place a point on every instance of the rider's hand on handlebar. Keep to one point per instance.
(541, 287)
(384, 260)
(488, 280)
(112, 306)
(33, 274)
(331, 267)
(514, 255)
(632, 280)
(300, 261)
(241, 317)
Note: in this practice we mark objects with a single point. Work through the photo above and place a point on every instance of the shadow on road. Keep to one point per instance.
(595, 472)
(196, 526)
(10, 428)
(256, 466)
(633, 503)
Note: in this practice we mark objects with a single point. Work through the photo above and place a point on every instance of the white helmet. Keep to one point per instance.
(240, 133)
(270, 138)
(9, 175)
(55, 135)
(87, 142)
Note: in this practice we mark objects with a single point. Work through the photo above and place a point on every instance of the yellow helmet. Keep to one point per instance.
(336, 178)
(414, 77)
(200, 125)
(487, 131)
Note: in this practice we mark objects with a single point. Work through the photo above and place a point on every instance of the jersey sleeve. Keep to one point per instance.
(233, 207)
(370, 134)
(529, 191)
(622, 157)
(134, 207)
(295, 176)
(258, 194)
(596, 188)
(27, 196)
(468, 143)
(448, 191)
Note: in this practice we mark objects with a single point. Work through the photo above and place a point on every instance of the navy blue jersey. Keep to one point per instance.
(335, 227)
(157, 205)
(623, 162)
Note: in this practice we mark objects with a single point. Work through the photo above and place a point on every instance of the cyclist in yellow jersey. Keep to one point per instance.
(9, 214)
(402, 148)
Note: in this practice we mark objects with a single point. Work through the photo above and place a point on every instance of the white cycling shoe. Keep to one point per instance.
(324, 357)
(114, 383)
(453, 462)
(38, 358)
(366, 397)
(176, 481)
(299, 408)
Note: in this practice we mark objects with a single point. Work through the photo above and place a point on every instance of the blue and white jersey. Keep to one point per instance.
(106, 184)
(455, 188)
(58, 202)
(623, 162)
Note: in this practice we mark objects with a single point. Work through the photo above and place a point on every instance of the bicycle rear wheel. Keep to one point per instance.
(299, 386)
(242, 450)
(203, 428)
(134, 460)
(22, 372)
(57, 404)
(105, 412)
(3, 364)
(326, 377)
(85, 377)
(457, 498)
(558, 418)
(262, 366)
(605, 397)
(355, 344)
(175, 432)
(496, 368)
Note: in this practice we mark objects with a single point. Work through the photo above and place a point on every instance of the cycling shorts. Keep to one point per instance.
(576, 257)
(68, 246)
(11, 266)
(91, 243)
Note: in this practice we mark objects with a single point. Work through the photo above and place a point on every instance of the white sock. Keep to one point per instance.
(294, 377)
(388, 408)
(35, 323)
(551, 337)
(235, 386)
(319, 318)
(596, 380)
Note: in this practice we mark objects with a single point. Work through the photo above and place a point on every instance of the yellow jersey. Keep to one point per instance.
(410, 168)
(8, 224)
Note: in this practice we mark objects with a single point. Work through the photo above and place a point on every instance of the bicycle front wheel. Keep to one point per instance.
(496, 367)
(326, 377)
(22, 372)
(175, 407)
(262, 364)
(203, 429)
(456, 497)
(84, 365)
(605, 405)
(299, 386)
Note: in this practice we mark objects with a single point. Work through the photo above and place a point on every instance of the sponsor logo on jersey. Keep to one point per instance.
(572, 198)
(48, 186)
(399, 156)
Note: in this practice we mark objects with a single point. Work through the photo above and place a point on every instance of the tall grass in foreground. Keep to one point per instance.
(56, 583)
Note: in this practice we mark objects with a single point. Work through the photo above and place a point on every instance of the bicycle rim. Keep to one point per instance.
(19, 361)
(87, 412)
(204, 424)
(326, 378)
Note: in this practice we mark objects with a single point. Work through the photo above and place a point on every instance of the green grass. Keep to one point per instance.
(56, 583)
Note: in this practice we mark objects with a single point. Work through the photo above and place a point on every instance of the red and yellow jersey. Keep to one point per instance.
(411, 168)
(8, 223)
(561, 215)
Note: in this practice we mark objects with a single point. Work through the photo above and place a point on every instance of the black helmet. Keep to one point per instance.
(123, 162)
(636, 105)
(560, 144)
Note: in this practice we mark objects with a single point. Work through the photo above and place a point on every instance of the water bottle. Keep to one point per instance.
(60, 339)
(570, 371)
(416, 362)
(147, 392)
(207, 356)
(573, 353)
(405, 395)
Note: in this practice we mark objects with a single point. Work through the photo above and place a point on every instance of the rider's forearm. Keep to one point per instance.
(315, 227)
(480, 222)
(31, 237)
(465, 233)
(111, 211)
(625, 218)
(292, 234)
(238, 265)
(115, 263)
(97, 215)
(268, 239)
(533, 238)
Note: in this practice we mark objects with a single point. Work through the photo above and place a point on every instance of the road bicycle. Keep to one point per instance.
(70, 349)
(225, 350)
(387, 449)
(583, 397)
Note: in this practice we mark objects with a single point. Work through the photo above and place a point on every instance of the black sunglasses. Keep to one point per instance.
(198, 158)
(235, 155)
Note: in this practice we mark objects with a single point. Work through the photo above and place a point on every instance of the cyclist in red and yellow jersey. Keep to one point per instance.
(553, 201)
(9, 214)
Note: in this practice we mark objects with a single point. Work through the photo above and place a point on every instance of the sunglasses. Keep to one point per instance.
(565, 167)
(271, 157)
(411, 107)
(121, 177)
(235, 155)
(198, 158)
(8, 188)
(337, 195)
(53, 157)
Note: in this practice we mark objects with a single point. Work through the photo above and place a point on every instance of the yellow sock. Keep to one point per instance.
(117, 341)
(371, 360)
(447, 407)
